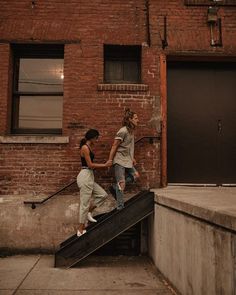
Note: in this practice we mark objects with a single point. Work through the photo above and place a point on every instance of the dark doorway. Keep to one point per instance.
(201, 123)
(128, 243)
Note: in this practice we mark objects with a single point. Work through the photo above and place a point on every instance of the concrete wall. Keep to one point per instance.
(195, 256)
(42, 229)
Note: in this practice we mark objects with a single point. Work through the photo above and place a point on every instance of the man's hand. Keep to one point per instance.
(108, 163)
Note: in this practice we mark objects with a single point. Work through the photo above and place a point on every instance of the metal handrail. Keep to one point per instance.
(34, 203)
(149, 137)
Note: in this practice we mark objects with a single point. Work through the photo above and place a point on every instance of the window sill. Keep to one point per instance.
(34, 139)
(122, 87)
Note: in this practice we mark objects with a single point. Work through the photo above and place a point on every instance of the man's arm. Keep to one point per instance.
(114, 148)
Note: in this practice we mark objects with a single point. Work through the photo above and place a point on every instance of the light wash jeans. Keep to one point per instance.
(122, 174)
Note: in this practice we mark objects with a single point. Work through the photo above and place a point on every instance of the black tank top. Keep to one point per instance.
(83, 161)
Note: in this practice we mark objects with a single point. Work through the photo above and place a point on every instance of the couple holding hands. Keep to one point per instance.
(121, 157)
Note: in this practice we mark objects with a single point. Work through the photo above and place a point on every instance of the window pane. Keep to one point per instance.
(114, 71)
(122, 63)
(131, 71)
(41, 75)
(40, 112)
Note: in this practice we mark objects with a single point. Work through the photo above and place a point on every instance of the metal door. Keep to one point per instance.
(201, 123)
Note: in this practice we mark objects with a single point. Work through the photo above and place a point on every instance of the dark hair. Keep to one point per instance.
(126, 122)
(90, 134)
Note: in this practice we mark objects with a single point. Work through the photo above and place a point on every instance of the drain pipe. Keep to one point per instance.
(148, 35)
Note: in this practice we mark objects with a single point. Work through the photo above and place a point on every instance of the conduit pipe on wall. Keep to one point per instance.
(164, 40)
(148, 23)
(33, 2)
(215, 26)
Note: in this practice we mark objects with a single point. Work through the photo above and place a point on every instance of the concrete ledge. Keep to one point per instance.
(195, 256)
(216, 205)
(34, 139)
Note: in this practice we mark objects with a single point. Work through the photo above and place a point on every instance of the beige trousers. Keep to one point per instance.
(89, 191)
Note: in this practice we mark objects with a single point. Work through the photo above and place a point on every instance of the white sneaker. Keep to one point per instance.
(90, 217)
(80, 234)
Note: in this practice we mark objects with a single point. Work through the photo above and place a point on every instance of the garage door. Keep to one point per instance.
(201, 123)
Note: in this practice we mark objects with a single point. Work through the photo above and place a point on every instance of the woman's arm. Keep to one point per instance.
(85, 152)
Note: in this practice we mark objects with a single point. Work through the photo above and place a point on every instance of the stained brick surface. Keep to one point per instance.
(85, 26)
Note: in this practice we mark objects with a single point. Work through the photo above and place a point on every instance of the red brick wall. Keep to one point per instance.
(188, 29)
(28, 168)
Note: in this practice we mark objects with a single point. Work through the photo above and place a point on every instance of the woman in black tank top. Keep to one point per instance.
(83, 160)
(91, 194)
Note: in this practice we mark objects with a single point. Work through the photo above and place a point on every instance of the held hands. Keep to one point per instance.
(108, 163)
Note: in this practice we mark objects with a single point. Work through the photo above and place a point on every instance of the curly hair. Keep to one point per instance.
(126, 120)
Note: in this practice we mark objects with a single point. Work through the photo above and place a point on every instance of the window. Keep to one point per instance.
(37, 89)
(122, 64)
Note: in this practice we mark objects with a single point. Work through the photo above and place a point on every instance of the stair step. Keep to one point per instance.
(108, 227)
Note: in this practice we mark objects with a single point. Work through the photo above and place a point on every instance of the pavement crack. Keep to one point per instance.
(17, 288)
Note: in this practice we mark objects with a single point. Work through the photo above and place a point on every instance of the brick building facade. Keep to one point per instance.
(161, 31)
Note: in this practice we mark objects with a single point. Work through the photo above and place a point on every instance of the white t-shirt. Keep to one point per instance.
(125, 152)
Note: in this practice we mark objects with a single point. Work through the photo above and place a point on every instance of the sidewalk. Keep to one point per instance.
(119, 275)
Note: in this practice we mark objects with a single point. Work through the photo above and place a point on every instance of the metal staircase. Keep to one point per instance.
(107, 228)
